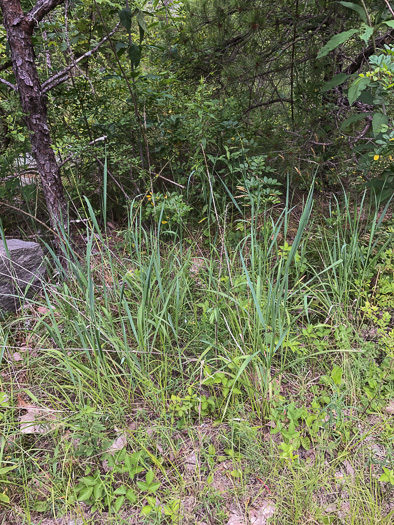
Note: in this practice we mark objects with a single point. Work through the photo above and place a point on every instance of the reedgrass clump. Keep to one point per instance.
(142, 329)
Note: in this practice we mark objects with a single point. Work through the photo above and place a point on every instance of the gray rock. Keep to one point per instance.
(21, 272)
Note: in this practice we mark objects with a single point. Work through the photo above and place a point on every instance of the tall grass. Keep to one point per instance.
(130, 316)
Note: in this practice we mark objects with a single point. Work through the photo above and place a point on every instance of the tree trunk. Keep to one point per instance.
(19, 29)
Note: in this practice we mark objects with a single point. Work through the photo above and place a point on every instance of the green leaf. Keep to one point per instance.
(354, 118)
(336, 375)
(336, 41)
(142, 26)
(4, 498)
(367, 33)
(236, 473)
(334, 82)
(357, 88)
(89, 481)
(378, 121)
(4, 400)
(142, 485)
(121, 490)
(98, 491)
(4, 470)
(153, 487)
(357, 8)
(145, 511)
(120, 49)
(387, 476)
(40, 506)
(125, 17)
(85, 494)
(118, 503)
(131, 496)
(149, 477)
(135, 55)
(389, 23)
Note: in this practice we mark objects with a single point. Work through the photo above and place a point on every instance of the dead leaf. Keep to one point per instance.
(197, 264)
(191, 462)
(42, 310)
(35, 421)
(32, 422)
(390, 407)
(348, 468)
(261, 515)
(119, 443)
(236, 520)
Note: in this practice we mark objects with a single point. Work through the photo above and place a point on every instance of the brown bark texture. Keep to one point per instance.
(19, 27)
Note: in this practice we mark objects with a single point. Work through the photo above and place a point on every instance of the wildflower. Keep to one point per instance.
(376, 157)
(164, 222)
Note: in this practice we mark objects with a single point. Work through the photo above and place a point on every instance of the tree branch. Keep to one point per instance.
(369, 51)
(389, 7)
(63, 75)
(6, 65)
(42, 8)
(8, 84)
(268, 103)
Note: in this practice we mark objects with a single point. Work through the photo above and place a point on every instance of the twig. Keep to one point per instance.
(389, 7)
(31, 216)
(8, 84)
(171, 181)
(75, 154)
(63, 75)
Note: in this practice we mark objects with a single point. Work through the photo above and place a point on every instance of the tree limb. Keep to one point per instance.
(267, 103)
(63, 75)
(369, 51)
(6, 65)
(8, 84)
(42, 8)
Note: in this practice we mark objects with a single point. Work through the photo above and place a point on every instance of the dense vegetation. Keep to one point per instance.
(212, 183)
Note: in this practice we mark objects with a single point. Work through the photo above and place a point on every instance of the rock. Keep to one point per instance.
(21, 272)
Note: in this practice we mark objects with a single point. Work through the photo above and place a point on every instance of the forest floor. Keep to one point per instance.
(232, 379)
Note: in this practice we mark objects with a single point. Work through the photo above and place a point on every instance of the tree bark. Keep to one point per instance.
(19, 28)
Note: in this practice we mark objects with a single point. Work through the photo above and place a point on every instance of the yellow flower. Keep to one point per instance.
(164, 222)
(376, 157)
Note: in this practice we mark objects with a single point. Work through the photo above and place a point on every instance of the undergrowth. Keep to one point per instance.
(164, 379)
